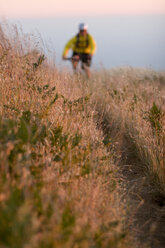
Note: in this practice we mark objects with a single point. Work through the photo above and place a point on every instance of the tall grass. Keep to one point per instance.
(57, 184)
(131, 103)
(59, 141)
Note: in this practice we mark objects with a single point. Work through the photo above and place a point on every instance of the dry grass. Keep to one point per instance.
(59, 137)
(132, 103)
(57, 179)
(130, 111)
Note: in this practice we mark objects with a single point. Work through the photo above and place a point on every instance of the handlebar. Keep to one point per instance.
(72, 59)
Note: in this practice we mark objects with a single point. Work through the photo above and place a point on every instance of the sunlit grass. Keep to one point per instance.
(57, 184)
(61, 140)
(133, 103)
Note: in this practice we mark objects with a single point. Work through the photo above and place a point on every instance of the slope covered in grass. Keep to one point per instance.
(56, 183)
(131, 113)
(63, 141)
(132, 102)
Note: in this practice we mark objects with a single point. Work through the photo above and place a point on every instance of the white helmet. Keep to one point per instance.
(83, 26)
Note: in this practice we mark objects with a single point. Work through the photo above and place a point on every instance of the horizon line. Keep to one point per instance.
(81, 16)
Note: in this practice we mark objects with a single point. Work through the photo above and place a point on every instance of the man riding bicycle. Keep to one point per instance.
(83, 47)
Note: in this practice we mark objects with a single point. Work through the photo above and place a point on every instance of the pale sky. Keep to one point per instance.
(65, 8)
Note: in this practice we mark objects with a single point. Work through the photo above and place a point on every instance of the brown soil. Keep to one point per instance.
(141, 196)
(143, 200)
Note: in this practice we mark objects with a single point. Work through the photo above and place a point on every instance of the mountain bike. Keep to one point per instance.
(75, 60)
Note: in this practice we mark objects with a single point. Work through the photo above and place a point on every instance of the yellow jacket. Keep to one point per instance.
(81, 44)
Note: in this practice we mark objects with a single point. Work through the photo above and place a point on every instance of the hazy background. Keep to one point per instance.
(127, 32)
(121, 40)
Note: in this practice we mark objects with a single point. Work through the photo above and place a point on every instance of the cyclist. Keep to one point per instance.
(83, 46)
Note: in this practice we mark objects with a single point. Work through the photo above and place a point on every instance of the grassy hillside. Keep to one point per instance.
(62, 138)
(132, 103)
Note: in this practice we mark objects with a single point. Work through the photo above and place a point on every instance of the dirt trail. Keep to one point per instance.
(146, 210)
(144, 204)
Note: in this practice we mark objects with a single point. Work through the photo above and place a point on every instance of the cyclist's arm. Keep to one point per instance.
(92, 45)
(68, 46)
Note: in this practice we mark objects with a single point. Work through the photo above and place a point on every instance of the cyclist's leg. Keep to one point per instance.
(75, 62)
(86, 63)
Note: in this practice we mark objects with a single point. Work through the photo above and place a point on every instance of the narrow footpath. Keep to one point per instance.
(141, 197)
(146, 210)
